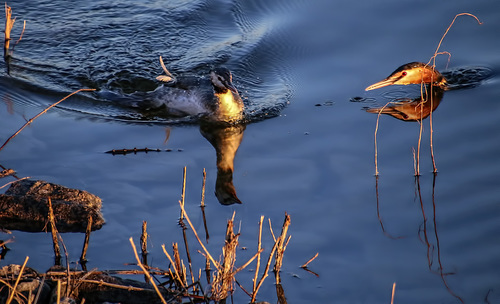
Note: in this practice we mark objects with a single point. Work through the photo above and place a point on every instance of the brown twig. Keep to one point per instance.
(183, 194)
(146, 273)
(310, 260)
(265, 274)
(259, 247)
(144, 243)
(11, 295)
(83, 258)
(41, 113)
(223, 281)
(216, 264)
(281, 248)
(9, 23)
(177, 275)
(393, 292)
(202, 206)
(14, 181)
(436, 52)
(53, 230)
(375, 136)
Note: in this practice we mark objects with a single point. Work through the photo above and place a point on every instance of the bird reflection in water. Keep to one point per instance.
(413, 109)
(226, 139)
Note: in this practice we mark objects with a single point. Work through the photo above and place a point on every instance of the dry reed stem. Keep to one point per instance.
(103, 283)
(436, 52)
(202, 206)
(41, 113)
(271, 229)
(58, 300)
(375, 136)
(144, 243)
(310, 260)
(165, 68)
(281, 247)
(177, 276)
(203, 188)
(12, 293)
(83, 258)
(178, 264)
(417, 170)
(259, 247)
(265, 274)
(216, 264)
(183, 193)
(249, 261)
(223, 281)
(68, 274)
(9, 23)
(40, 289)
(433, 60)
(14, 181)
(53, 231)
(146, 273)
(22, 33)
(393, 292)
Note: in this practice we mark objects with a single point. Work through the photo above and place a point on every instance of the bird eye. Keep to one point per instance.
(404, 74)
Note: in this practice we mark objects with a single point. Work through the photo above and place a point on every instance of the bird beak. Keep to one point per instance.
(232, 88)
(386, 82)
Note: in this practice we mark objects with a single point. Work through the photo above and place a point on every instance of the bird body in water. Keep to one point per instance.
(214, 98)
(412, 73)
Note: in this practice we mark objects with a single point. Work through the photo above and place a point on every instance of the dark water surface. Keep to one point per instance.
(438, 239)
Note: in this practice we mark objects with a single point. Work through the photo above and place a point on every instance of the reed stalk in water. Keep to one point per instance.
(30, 121)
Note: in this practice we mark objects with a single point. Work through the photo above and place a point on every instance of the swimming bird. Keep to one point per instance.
(412, 73)
(214, 98)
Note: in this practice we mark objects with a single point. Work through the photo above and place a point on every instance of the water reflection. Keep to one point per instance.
(226, 140)
(431, 242)
(412, 109)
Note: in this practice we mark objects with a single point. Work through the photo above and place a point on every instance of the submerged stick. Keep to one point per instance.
(83, 258)
(41, 113)
(53, 231)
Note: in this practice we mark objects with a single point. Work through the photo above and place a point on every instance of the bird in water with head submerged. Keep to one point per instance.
(213, 99)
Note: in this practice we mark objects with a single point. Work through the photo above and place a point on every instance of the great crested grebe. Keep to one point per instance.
(214, 99)
(412, 73)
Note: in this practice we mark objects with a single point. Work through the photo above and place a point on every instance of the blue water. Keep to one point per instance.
(439, 243)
